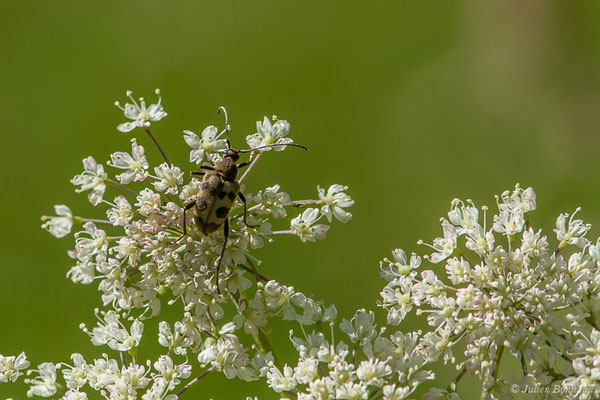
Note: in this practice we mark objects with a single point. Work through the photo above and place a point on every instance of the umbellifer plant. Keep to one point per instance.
(498, 288)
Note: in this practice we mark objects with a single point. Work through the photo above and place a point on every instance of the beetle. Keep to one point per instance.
(218, 192)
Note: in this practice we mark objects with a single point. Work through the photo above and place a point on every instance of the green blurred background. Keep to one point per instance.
(409, 103)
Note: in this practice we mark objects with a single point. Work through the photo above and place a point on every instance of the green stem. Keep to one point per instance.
(126, 189)
(193, 382)
(162, 153)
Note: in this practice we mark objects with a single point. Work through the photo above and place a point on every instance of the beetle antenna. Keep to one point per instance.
(227, 127)
(272, 145)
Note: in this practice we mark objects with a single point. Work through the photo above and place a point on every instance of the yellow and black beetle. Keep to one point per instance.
(218, 192)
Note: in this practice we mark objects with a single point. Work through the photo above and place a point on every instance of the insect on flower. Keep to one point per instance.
(218, 193)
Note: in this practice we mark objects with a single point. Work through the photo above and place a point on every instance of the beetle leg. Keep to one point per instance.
(226, 233)
(187, 207)
(243, 199)
(244, 164)
(197, 173)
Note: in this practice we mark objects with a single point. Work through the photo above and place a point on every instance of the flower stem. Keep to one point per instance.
(93, 220)
(288, 232)
(162, 153)
(117, 184)
(255, 273)
(302, 203)
(452, 386)
(250, 168)
(193, 382)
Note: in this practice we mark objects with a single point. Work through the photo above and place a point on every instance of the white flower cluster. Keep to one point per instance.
(142, 262)
(111, 378)
(374, 365)
(505, 289)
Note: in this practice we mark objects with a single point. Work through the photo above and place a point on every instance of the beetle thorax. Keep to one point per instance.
(227, 168)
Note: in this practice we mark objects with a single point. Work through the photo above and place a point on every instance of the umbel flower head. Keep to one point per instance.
(143, 262)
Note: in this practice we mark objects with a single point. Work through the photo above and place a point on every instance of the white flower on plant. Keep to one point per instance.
(267, 134)
(170, 372)
(148, 202)
(445, 246)
(11, 366)
(509, 222)
(95, 246)
(304, 226)
(224, 354)
(122, 213)
(158, 391)
(571, 232)
(257, 234)
(43, 385)
(128, 381)
(92, 178)
(74, 394)
(361, 328)
(169, 178)
(463, 216)
(206, 147)
(141, 116)
(398, 299)
(519, 200)
(110, 331)
(75, 376)
(60, 225)
(134, 164)
(281, 382)
(392, 392)
(352, 391)
(271, 202)
(334, 201)
(323, 388)
(306, 370)
(251, 315)
(400, 266)
(102, 372)
(372, 372)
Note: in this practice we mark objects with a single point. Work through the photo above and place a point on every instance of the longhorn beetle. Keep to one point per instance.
(218, 192)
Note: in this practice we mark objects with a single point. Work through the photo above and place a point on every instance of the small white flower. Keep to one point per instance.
(334, 202)
(134, 164)
(122, 213)
(267, 133)
(352, 391)
(445, 246)
(75, 376)
(141, 116)
(11, 366)
(304, 226)
(169, 178)
(206, 147)
(75, 394)
(281, 382)
(306, 370)
(361, 328)
(59, 226)
(170, 372)
(44, 385)
(272, 202)
(92, 178)
(571, 232)
(400, 266)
